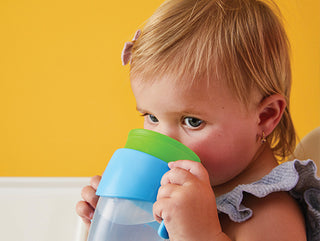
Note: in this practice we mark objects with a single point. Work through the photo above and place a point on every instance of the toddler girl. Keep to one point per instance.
(215, 75)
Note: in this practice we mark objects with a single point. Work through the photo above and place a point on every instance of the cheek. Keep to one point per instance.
(214, 155)
(225, 154)
(211, 150)
(147, 125)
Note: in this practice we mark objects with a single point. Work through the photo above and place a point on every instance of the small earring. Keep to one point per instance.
(263, 138)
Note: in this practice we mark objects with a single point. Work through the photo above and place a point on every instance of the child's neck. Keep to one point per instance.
(263, 162)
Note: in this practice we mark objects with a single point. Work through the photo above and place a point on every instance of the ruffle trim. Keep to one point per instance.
(296, 177)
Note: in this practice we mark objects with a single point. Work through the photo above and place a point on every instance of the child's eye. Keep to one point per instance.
(192, 122)
(151, 118)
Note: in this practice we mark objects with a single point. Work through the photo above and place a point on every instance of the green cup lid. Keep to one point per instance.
(159, 145)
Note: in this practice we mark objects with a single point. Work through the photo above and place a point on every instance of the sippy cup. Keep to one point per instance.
(129, 187)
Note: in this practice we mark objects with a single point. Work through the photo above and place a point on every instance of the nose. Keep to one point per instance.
(168, 132)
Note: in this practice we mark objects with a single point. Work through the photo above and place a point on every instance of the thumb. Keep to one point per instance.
(195, 168)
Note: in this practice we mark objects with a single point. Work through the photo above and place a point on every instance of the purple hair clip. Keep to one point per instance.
(126, 52)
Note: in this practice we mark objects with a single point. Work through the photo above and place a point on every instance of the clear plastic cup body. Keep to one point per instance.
(118, 219)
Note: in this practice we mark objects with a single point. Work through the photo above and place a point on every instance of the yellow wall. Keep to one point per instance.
(65, 100)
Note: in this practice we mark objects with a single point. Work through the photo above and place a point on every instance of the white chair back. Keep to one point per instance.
(309, 148)
(41, 209)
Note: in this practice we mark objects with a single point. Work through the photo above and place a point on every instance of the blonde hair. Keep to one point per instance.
(240, 42)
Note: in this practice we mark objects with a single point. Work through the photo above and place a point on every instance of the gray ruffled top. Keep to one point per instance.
(296, 177)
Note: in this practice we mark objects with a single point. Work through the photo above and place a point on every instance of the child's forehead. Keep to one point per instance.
(201, 89)
(185, 87)
(163, 96)
(173, 80)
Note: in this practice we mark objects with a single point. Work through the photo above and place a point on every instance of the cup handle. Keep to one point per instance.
(162, 231)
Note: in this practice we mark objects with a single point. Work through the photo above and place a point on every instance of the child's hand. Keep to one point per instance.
(186, 203)
(85, 209)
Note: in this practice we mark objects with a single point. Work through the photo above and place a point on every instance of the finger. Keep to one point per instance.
(85, 211)
(88, 194)
(94, 181)
(166, 191)
(87, 223)
(195, 168)
(177, 176)
(157, 210)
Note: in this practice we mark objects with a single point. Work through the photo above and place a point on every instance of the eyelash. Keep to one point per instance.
(148, 115)
(198, 121)
(183, 120)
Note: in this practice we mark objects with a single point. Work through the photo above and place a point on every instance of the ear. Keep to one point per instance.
(270, 112)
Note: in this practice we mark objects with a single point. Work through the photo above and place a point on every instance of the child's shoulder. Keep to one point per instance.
(275, 217)
(272, 202)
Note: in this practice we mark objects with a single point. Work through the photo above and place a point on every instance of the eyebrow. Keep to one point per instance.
(184, 112)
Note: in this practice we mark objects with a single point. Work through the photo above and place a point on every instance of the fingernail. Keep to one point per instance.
(171, 165)
(91, 215)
